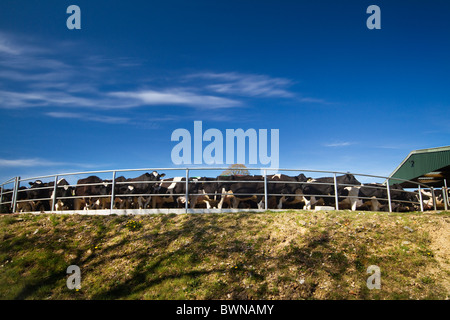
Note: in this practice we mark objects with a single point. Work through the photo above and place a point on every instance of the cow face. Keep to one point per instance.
(158, 176)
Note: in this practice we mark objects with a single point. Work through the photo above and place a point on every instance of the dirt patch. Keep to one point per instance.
(439, 233)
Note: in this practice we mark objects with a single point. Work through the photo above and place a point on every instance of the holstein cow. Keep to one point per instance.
(64, 192)
(285, 185)
(123, 194)
(368, 196)
(402, 200)
(321, 190)
(248, 191)
(212, 192)
(144, 187)
(207, 192)
(22, 205)
(166, 190)
(374, 197)
(38, 196)
(92, 193)
(239, 189)
(6, 201)
(172, 193)
(427, 199)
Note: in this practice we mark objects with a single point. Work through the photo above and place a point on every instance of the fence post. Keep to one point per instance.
(113, 187)
(1, 196)
(434, 198)
(54, 194)
(336, 196)
(186, 205)
(265, 190)
(420, 198)
(389, 195)
(446, 198)
(16, 188)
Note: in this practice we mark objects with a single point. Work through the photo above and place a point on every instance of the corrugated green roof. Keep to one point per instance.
(421, 162)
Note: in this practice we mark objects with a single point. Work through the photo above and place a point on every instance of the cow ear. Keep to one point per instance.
(30, 183)
(162, 175)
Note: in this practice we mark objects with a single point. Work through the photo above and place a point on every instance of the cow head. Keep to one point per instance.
(155, 176)
(348, 179)
(36, 184)
(158, 176)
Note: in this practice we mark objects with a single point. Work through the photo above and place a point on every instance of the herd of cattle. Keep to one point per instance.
(150, 191)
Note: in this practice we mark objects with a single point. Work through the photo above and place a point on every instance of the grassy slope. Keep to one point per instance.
(287, 255)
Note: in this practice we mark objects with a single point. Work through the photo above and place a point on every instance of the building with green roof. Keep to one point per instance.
(428, 166)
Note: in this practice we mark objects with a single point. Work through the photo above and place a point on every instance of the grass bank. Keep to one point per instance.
(270, 255)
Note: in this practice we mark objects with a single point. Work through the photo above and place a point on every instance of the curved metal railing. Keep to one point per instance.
(15, 197)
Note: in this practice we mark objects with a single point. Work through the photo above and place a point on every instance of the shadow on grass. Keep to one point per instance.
(182, 251)
(246, 254)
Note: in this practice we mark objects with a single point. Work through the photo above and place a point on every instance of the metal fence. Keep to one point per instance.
(13, 196)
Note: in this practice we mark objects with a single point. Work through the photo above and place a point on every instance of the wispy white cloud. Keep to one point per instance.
(178, 97)
(37, 162)
(88, 117)
(6, 47)
(63, 99)
(312, 100)
(339, 144)
(39, 77)
(250, 85)
(15, 44)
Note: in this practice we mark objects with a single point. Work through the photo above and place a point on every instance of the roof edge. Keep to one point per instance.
(418, 151)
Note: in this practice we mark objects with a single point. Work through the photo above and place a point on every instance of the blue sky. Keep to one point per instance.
(109, 96)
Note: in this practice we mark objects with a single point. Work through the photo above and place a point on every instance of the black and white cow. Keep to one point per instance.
(64, 192)
(321, 190)
(374, 197)
(236, 189)
(38, 196)
(204, 193)
(402, 200)
(91, 193)
(7, 196)
(171, 192)
(428, 201)
(144, 187)
(123, 194)
(286, 185)
(370, 196)
(22, 204)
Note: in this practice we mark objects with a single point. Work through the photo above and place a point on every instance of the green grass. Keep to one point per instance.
(270, 255)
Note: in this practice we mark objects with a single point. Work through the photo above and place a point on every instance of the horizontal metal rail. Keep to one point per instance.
(35, 189)
(29, 200)
(261, 181)
(216, 168)
(9, 181)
